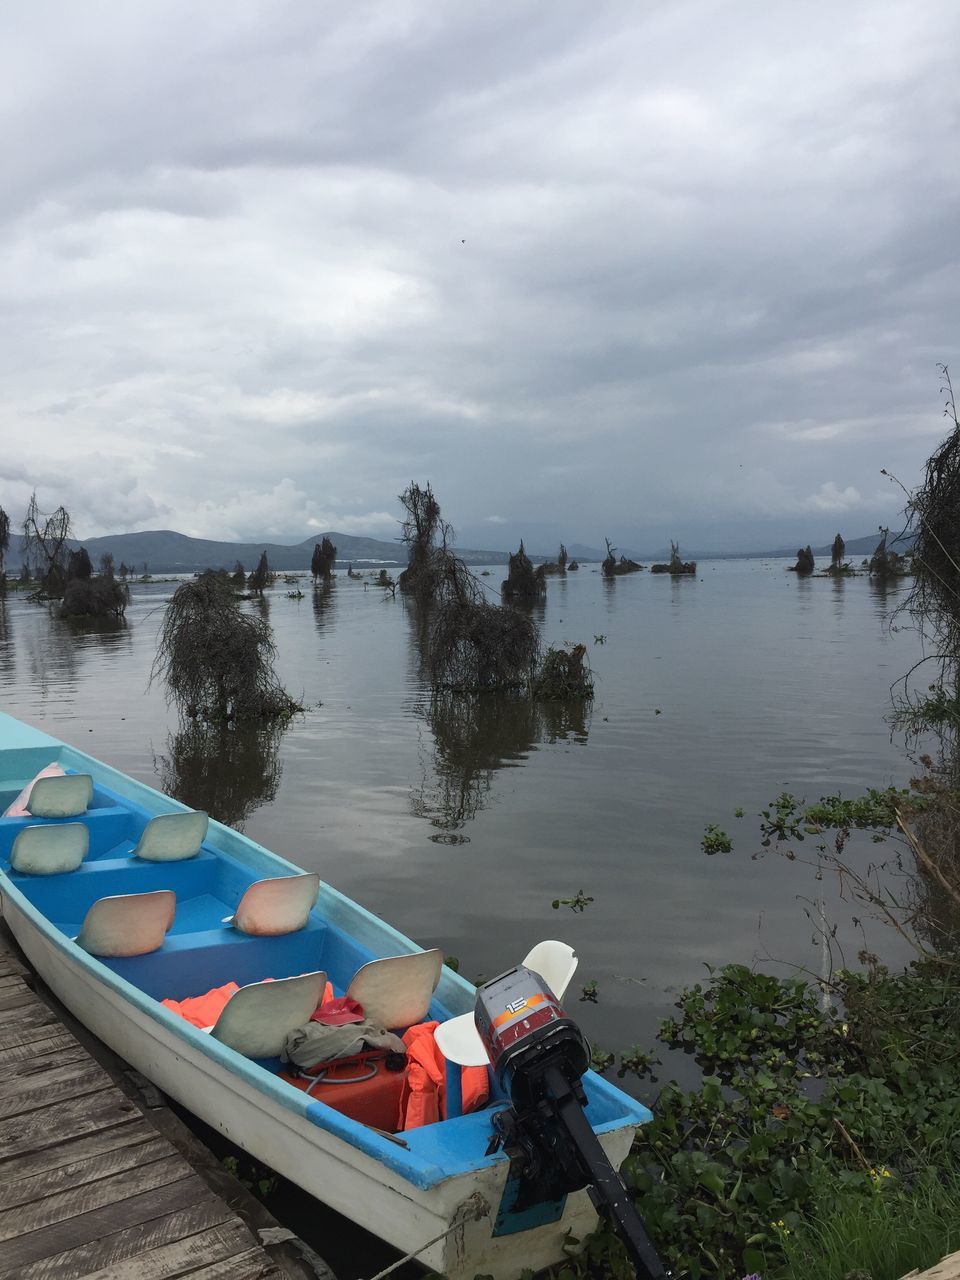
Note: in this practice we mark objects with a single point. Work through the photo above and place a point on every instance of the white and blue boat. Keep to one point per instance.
(117, 912)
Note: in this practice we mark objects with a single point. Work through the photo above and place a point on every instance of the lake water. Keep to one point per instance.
(461, 824)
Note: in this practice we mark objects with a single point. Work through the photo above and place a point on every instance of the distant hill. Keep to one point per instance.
(165, 551)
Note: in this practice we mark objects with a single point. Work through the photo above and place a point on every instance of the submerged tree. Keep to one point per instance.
(836, 554)
(323, 561)
(102, 597)
(472, 644)
(805, 561)
(420, 530)
(79, 564)
(218, 662)
(4, 546)
(238, 578)
(523, 582)
(44, 545)
(260, 576)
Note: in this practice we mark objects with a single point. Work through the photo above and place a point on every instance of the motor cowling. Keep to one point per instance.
(525, 1030)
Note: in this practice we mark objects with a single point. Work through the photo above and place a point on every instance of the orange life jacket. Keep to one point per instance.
(424, 1096)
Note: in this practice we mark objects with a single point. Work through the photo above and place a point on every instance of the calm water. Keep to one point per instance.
(460, 825)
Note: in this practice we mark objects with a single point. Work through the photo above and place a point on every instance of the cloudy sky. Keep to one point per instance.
(639, 269)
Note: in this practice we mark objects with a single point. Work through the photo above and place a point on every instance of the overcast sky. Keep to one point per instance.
(637, 269)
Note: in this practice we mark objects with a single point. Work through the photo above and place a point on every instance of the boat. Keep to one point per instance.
(441, 1185)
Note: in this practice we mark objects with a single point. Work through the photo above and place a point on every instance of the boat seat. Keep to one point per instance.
(50, 850)
(128, 924)
(458, 1038)
(556, 963)
(258, 1018)
(280, 905)
(64, 797)
(172, 837)
(396, 991)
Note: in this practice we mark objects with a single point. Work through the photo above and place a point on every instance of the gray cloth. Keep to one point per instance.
(316, 1042)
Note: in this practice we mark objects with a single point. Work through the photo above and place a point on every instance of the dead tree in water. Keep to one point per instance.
(836, 554)
(885, 563)
(322, 561)
(559, 565)
(217, 661)
(260, 576)
(419, 531)
(4, 545)
(473, 645)
(805, 561)
(44, 545)
(523, 583)
(613, 568)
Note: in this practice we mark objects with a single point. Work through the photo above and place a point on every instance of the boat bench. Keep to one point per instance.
(109, 826)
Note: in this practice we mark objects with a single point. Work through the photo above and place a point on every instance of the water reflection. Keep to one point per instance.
(475, 735)
(324, 598)
(227, 773)
(8, 657)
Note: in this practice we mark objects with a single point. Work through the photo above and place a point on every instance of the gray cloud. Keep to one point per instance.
(607, 269)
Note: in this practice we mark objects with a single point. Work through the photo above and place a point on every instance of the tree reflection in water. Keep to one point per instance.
(324, 597)
(227, 773)
(474, 735)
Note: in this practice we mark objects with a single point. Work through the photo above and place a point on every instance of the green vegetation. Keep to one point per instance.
(715, 840)
(579, 902)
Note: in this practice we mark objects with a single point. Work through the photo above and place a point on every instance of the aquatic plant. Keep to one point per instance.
(563, 674)
(715, 840)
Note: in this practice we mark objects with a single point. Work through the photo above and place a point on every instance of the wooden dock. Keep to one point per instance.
(89, 1186)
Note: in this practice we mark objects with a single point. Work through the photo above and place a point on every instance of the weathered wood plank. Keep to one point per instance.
(182, 1257)
(15, 998)
(23, 1093)
(85, 1198)
(946, 1269)
(90, 1229)
(9, 963)
(54, 1039)
(244, 1266)
(27, 1190)
(62, 1120)
(11, 982)
(30, 1025)
(131, 1242)
(86, 1146)
(40, 1061)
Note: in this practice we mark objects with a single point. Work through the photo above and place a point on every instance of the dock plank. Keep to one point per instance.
(87, 1197)
(135, 1242)
(182, 1257)
(33, 1089)
(247, 1266)
(67, 1177)
(89, 1228)
(76, 1150)
(54, 1039)
(59, 1121)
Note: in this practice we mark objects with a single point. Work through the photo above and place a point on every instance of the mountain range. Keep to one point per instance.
(165, 551)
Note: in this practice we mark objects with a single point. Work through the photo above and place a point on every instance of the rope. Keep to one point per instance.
(473, 1208)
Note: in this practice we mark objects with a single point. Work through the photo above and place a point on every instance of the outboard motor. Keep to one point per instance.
(539, 1055)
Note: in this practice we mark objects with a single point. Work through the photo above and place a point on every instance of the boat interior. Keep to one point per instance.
(176, 911)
